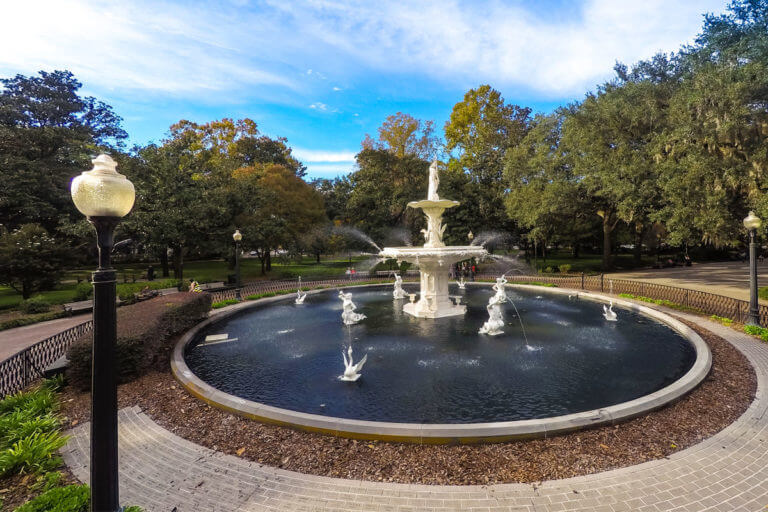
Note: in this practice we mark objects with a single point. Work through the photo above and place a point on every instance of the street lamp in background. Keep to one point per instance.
(470, 236)
(237, 236)
(753, 223)
(104, 196)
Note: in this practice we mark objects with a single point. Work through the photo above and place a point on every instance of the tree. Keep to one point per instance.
(281, 209)
(48, 133)
(382, 186)
(481, 129)
(30, 259)
(404, 135)
(335, 194)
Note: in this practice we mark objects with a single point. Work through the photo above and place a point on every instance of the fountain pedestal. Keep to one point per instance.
(434, 258)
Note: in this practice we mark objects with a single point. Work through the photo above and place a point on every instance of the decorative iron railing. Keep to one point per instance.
(19, 370)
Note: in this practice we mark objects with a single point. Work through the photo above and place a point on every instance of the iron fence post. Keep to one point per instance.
(602, 276)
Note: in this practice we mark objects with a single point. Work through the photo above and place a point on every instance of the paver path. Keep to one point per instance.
(727, 472)
(726, 278)
(19, 338)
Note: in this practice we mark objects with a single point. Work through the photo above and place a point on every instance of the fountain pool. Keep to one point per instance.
(439, 378)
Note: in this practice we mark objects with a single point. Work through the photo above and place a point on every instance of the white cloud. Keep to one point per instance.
(337, 88)
(183, 48)
(319, 156)
(315, 170)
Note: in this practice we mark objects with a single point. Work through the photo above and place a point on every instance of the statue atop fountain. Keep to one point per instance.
(398, 292)
(352, 370)
(348, 315)
(495, 317)
(434, 258)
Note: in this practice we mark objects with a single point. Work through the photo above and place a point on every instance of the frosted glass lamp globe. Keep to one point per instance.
(102, 191)
(752, 221)
(237, 236)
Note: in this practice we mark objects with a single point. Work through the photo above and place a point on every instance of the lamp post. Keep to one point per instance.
(237, 236)
(104, 197)
(470, 236)
(753, 223)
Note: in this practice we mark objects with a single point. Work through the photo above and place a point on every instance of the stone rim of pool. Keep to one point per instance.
(449, 433)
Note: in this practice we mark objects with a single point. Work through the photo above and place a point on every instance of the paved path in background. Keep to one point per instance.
(729, 278)
(19, 338)
(727, 472)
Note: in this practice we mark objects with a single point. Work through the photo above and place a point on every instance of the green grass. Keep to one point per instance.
(591, 262)
(763, 292)
(662, 302)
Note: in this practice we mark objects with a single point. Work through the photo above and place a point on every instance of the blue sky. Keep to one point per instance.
(323, 73)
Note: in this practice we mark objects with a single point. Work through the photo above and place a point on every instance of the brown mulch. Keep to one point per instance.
(15, 490)
(723, 396)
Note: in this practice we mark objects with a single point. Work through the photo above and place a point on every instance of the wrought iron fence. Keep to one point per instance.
(18, 371)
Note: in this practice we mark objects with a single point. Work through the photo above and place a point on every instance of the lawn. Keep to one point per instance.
(591, 262)
(202, 271)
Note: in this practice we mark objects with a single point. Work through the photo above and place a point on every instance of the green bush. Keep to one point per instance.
(35, 453)
(565, 268)
(72, 498)
(549, 270)
(34, 305)
(28, 320)
(127, 291)
(223, 303)
(83, 291)
(756, 330)
(35, 402)
(144, 334)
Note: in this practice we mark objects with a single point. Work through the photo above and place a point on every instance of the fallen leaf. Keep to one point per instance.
(241, 451)
(604, 446)
(74, 422)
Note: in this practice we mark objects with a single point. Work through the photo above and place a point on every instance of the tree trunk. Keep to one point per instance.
(575, 251)
(317, 254)
(607, 229)
(269, 260)
(178, 263)
(164, 262)
(263, 260)
(638, 249)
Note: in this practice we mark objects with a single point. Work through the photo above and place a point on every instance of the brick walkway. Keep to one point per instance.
(728, 472)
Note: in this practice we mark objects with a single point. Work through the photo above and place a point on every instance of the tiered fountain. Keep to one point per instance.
(434, 259)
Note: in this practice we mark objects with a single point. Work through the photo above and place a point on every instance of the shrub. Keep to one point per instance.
(72, 498)
(35, 453)
(27, 320)
(549, 270)
(127, 291)
(34, 305)
(144, 331)
(83, 291)
(565, 268)
(756, 330)
(36, 402)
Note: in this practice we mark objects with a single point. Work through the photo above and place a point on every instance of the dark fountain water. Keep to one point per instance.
(441, 370)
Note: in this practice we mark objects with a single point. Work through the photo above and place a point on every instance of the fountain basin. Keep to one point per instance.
(464, 426)
(434, 268)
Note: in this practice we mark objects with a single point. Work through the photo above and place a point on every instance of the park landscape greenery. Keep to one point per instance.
(670, 153)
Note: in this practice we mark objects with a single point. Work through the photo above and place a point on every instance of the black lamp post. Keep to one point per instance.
(104, 197)
(237, 236)
(753, 223)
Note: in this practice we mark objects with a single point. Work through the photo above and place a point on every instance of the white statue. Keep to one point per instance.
(434, 181)
(461, 283)
(501, 294)
(352, 370)
(495, 318)
(398, 292)
(300, 295)
(348, 316)
(609, 313)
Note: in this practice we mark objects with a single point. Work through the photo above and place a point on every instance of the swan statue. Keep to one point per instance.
(300, 295)
(461, 283)
(348, 316)
(609, 313)
(352, 370)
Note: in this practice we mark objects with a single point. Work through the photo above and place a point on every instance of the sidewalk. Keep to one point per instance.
(19, 338)
(726, 278)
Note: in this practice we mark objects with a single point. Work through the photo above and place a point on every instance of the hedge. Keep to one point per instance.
(144, 333)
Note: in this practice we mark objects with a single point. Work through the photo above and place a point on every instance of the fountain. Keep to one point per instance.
(609, 313)
(352, 370)
(398, 292)
(348, 316)
(434, 259)
(495, 317)
(300, 295)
